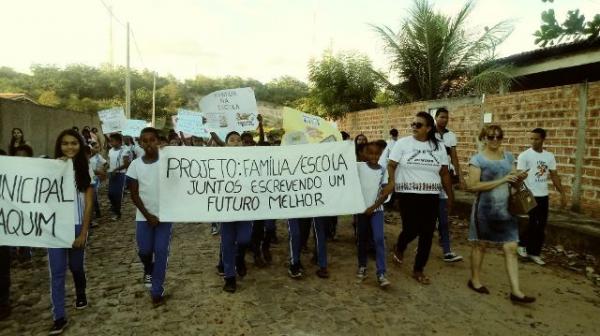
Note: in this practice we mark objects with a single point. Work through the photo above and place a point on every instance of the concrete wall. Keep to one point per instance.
(570, 114)
(40, 124)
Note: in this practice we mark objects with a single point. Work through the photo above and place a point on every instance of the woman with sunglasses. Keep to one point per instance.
(491, 172)
(418, 169)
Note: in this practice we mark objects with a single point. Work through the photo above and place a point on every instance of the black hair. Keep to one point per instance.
(345, 135)
(87, 150)
(150, 130)
(429, 122)
(80, 161)
(2, 152)
(381, 144)
(116, 136)
(12, 146)
(441, 110)
(94, 130)
(360, 135)
(541, 132)
(230, 134)
(394, 132)
(361, 147)
(24, 148)
(162, 138)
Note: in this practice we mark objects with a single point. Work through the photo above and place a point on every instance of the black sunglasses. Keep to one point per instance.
(494, 137)
(416, 125)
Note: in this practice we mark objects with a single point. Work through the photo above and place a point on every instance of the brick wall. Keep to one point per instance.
(41, 124)
(554, 109)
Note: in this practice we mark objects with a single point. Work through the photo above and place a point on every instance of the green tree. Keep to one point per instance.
(285, 90)
(435, 55)
(574, 28)
(341, 83)
(49, 98)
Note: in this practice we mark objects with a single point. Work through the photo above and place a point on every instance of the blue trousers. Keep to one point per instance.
(153, 249)
(375, 222)
(235, 238)
(58, 258)
(443, 226)
(319, 225)
(116, 184)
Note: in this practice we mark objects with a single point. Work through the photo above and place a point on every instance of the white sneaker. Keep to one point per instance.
(361, 273)
(522, 252)
(148, 280)
(537, 260)
(383, 282)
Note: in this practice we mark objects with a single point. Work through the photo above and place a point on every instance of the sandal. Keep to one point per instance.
(421, 278)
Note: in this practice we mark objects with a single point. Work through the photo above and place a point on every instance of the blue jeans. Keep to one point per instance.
(58, 258)
(375, 222)
(319, 225)
(4, 275)
(153, 250)
(443, 227)
(116, 184)
(235, 237)
(96, 203)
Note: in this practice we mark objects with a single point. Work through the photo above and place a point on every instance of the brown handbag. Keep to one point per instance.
(521, 200)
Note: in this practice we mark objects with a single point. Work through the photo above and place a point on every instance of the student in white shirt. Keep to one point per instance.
(70, 146)
(371, 176)
(540, 165)
(418, 169)
(119, 159)
(153, 236)
(447, 138)
(98, 165)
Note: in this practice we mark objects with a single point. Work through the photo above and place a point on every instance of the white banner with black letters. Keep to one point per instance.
(224, 184)
(37, 202)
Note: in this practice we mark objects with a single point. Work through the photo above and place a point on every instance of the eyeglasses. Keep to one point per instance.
(416, 125)
(494, 137)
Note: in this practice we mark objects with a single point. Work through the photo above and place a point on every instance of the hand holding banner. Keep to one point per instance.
(37, 206)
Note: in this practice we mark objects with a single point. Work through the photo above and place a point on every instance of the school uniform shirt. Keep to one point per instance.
(80, 200)
(385, 155)
(419, 164)
(370, 182)
(116, 159)
(146, 174)
(448, 139)
(539, 165)
(96, 163)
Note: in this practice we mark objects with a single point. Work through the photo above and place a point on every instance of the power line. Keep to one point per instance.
(109, 9)
(137, 48)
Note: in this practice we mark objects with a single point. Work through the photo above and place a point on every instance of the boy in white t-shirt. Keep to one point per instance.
(119, 158)
(371, 175)
(447, 138)
(153, 236)
(98, 166)
(541, 165)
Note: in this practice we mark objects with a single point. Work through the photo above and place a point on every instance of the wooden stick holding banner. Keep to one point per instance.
(37, 206)
(248, 183)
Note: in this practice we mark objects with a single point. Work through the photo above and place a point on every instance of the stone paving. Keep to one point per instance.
(268, 302)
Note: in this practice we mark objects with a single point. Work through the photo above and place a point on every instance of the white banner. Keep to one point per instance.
(190, 122)
(37, 206)
(224, 184)
(113, 120)
(233, 110)
(134, 127)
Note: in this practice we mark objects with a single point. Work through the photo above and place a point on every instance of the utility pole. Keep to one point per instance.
(154, 100)
(111, 55)
(128, 82)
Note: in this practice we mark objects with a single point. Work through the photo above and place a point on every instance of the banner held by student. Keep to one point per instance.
(220, 184)
(303, 128)
(37, 202)
(231, 109)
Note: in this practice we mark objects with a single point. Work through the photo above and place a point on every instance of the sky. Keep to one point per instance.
(261, 39)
